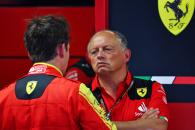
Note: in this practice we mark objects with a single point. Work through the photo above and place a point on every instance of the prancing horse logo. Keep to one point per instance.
(176, 14)
(174, 6)
(30, 86)
(142, 91)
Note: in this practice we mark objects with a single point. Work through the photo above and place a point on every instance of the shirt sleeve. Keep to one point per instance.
(91, 115)
(78, 75)
(159, 100)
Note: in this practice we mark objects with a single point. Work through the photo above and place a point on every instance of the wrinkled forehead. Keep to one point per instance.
(106, 38)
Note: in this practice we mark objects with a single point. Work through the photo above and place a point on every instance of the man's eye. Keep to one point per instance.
(93, 52)
(108, 49)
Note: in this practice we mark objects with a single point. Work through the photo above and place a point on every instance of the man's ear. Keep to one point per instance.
(29, 55)
(127, 55)
(61, 50)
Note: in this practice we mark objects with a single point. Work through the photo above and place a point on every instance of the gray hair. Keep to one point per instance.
(122, 39)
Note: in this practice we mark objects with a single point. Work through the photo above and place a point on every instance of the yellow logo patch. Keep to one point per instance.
(176, 14)
(142, 91)
(30, 86)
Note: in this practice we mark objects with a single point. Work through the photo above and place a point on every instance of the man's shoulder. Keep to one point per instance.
(138, 82)
(141, 89)
(70, 81)
(8, 87)
(7, 90)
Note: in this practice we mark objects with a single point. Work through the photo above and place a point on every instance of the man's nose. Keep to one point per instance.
(100, 53)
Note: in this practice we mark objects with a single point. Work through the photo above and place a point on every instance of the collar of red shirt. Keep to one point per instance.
(123, 85)
(45, 68)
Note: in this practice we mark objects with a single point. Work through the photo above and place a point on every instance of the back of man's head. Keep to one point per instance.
(42, 36)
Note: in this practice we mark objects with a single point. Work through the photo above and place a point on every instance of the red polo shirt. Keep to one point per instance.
(131, 109)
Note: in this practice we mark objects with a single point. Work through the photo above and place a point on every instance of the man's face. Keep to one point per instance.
(106, 53)
(66, 57)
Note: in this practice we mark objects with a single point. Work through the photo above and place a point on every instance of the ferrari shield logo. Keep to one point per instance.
(142, 91)
(176, 14)
(30, 86)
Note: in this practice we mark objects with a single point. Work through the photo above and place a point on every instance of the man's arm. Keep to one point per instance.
(148, 121)
(153, 119)
(150, 124)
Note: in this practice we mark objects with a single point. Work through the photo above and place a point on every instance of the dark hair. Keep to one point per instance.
(42, 36)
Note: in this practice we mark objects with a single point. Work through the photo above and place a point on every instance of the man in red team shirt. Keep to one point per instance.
(43, 99)
(80, 71)
(142, 103)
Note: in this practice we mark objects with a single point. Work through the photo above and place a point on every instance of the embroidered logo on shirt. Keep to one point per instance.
(142, 91)
(30, 86)
(38, 69)
(142, 107)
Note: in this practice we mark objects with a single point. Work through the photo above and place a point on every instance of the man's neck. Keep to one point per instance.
(57, 64)
(111, 81)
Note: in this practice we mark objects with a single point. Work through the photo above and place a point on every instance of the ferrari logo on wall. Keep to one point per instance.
(30, 87)
(176, 14)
